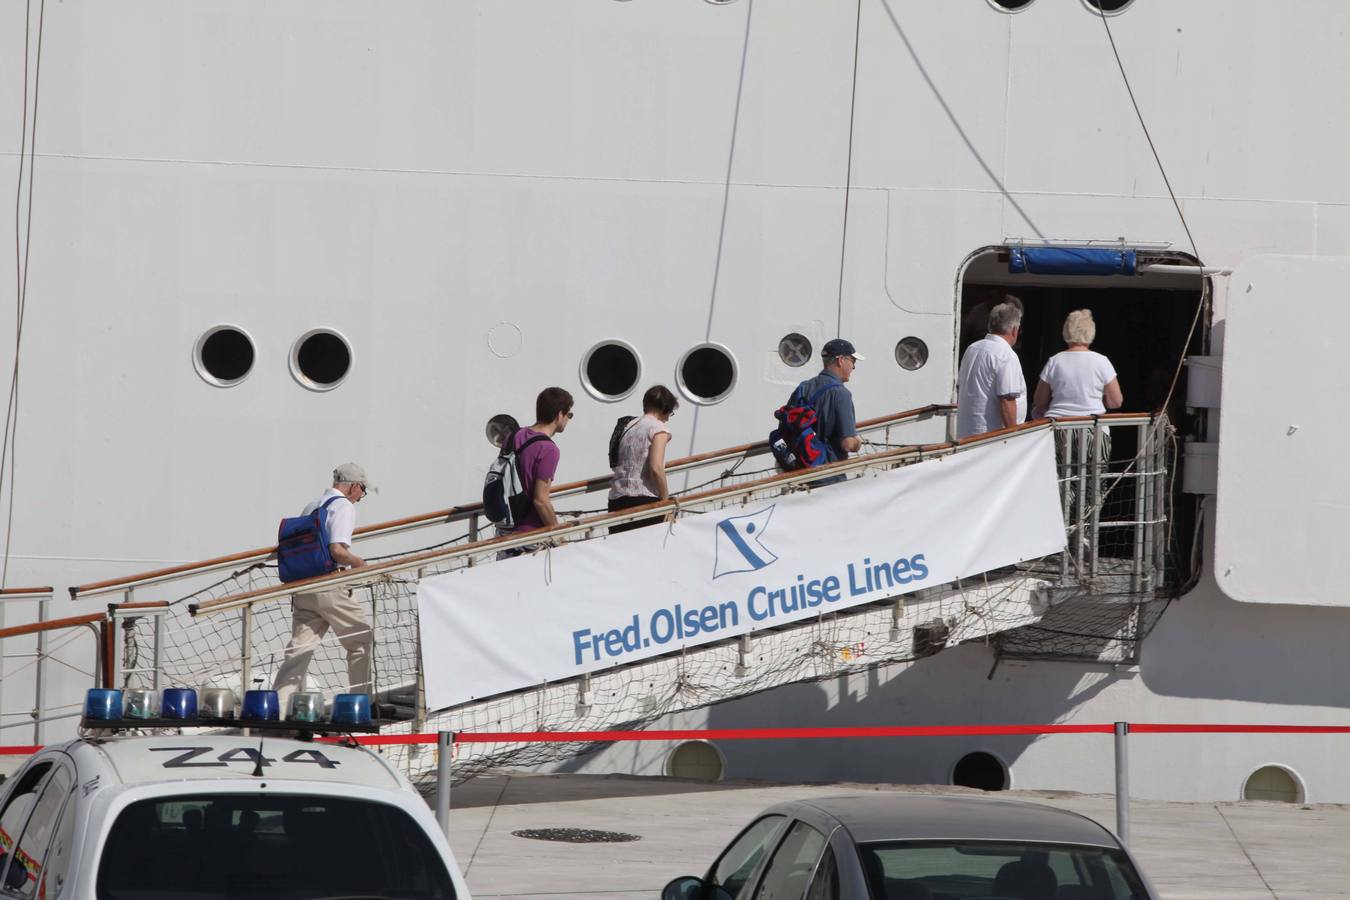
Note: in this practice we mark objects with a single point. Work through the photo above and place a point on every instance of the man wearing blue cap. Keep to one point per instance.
(835, 421)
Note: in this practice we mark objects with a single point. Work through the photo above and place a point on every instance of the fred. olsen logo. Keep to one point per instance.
(739, 547)
(740, 544)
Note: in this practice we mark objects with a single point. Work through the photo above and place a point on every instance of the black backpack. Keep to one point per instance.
(620, 428)
(505, 501)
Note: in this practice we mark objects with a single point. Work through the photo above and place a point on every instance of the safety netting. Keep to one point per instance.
(1095, 602)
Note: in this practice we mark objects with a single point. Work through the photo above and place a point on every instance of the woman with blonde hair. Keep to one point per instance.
(1077, 381)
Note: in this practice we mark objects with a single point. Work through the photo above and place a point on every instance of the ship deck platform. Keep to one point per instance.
(1231, 850)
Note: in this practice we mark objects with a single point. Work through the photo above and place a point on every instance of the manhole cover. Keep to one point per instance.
(576, 835)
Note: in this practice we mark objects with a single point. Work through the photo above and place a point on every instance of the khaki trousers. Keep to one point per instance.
(311, 617)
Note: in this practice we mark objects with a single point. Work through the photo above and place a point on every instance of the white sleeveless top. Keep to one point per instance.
(631, 478)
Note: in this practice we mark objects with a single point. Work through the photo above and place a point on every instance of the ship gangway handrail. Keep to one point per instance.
(579, 529)
(26, 593)
(100, 623)
(468, 511)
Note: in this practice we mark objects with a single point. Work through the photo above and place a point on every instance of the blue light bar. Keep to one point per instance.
(179, 703)
(1071, 261)
(261, 706)
(351, 709)
(103, 704)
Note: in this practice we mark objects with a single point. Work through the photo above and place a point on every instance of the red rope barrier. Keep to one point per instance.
(1160, 728)
(762, 734)
(770, 734)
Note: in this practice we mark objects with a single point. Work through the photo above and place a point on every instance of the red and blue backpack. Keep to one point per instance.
(302, 545)
(794, 443)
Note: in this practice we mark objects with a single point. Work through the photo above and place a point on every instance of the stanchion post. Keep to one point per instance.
(445, 746)
(1122, 783)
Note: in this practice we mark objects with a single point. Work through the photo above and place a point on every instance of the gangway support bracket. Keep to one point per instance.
(585, 694)
(897, 615)
(743, 655)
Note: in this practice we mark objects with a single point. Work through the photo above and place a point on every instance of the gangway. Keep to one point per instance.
(224, 621)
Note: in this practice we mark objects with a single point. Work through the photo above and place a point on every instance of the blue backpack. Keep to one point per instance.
(302, 545)
(794, 443)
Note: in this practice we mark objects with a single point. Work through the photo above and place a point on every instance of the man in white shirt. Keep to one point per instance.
(314, 613)
(991, 391)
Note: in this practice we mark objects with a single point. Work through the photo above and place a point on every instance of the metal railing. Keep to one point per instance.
(1117, 553)
(1089, 478)
(1116, 515)
(472, 513)
(41, 653)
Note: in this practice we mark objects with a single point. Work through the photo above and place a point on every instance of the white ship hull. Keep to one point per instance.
(475, 195)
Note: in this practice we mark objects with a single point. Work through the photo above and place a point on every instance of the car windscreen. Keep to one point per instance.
(269, 847)
(958, 870)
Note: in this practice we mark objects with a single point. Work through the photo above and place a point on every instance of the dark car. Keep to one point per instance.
(888, 846)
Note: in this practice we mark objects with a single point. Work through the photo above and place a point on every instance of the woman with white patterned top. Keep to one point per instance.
(640, 476)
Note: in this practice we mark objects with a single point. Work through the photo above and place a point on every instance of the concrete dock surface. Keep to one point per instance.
(1190, 851)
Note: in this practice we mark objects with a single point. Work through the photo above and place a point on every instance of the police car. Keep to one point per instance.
(215, 816)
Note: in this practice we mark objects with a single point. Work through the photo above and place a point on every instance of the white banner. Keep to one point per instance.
(589, 606)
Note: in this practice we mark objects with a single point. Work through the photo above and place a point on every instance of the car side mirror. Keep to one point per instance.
(685, 888)
(690, 888)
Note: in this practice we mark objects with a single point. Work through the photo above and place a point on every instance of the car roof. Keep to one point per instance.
(143, 759)
(891, 816)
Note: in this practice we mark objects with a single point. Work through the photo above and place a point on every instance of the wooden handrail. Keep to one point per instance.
(52, 625)
(458, 513)
(28, 590)
(138, 604)
(414, 561)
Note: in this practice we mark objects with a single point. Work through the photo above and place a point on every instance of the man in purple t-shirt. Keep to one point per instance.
(538, 462)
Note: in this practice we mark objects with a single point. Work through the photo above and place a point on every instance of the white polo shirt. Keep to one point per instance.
(341, 516)
(989, 370)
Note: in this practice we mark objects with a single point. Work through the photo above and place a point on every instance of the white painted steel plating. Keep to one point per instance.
(725, 173)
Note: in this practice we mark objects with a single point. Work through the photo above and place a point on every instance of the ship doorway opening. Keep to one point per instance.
(1143, 322)
(1143, 326)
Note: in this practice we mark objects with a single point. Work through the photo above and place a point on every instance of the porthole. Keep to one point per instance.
(795, 349)
(697, 761)
(610, 370)
(223, 355)
(911, 353)
(1011, 5)
(982, 771)
(321, 359)
(1110, 7)
(707, 373)
(498, 427)
(1273, 782)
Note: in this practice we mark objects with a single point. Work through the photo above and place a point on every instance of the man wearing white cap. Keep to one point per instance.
(313, 614)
